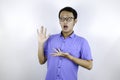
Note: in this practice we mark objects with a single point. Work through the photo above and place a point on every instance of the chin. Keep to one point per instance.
(65, 31)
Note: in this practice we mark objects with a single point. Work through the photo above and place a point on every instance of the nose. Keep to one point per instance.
(65, 22)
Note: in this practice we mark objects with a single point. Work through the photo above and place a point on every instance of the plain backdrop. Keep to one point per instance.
(98, 22)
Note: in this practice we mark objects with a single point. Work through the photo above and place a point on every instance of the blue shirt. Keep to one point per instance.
(60, 68)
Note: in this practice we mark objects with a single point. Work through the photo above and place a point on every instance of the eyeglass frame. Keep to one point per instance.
(68, 19)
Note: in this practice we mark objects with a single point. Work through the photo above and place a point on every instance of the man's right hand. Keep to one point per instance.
(42, 35)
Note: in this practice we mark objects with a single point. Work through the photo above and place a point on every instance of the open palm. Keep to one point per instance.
(42, 35)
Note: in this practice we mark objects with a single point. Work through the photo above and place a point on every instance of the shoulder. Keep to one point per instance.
(83, 41)
(53, 36)
(80, 38)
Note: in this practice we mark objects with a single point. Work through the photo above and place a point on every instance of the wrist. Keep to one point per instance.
(70, 57)
(40, 44)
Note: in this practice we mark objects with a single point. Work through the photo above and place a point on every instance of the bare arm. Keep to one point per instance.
(41, 57)
(41, 40)
(84, 63)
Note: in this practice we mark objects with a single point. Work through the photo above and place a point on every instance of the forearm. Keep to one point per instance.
(41, 57)
(84, 63)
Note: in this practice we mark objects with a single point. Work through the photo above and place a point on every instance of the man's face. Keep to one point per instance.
(67, 21)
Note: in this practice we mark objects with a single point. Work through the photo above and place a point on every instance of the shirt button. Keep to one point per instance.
(59, 66)
(59, 63)
(58, 77)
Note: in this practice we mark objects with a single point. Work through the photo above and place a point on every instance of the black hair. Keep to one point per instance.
(69, 9)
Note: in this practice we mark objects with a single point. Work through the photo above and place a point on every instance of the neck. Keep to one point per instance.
(66, 34)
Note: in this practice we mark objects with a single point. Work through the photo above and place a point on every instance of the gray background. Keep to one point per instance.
(98, 22)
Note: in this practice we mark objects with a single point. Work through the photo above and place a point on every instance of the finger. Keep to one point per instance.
(48, 36)
(59, 50)
(37, 31)
(54, 54)
(55, 50)
(45, 31)
(41, 30)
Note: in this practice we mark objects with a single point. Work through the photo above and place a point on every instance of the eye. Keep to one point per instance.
(68, 19)
(62, 19)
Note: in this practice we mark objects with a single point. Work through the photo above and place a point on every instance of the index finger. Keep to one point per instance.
(41, 29)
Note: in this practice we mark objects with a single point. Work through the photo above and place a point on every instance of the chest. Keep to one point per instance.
(71, 46)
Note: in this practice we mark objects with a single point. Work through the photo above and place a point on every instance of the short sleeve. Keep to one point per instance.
(85, 51)
(46, 45)
(46, 48)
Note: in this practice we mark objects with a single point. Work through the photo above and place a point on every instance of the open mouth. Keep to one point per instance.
(65, 27)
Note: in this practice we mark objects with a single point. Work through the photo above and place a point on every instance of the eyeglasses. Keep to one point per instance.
(68, 19)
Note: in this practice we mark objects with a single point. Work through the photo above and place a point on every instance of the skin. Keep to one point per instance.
(66, 31)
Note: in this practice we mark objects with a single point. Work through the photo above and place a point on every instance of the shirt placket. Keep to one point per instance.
(59, 77)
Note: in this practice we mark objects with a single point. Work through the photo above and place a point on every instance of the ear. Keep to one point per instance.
(75, 20)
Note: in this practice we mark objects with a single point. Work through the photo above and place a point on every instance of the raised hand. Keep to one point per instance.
(42, 37)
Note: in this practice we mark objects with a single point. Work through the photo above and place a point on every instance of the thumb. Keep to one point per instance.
(48, 36)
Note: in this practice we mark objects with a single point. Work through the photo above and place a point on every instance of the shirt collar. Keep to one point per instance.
(71, 35)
